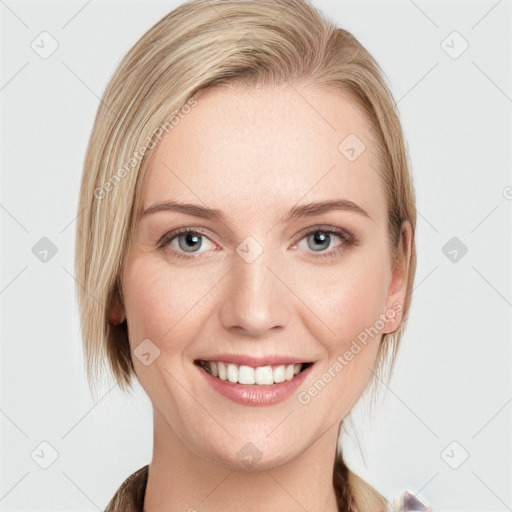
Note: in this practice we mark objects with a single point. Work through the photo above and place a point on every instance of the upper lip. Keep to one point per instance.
(255, 361)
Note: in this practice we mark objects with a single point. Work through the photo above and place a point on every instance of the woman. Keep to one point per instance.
(246, 250)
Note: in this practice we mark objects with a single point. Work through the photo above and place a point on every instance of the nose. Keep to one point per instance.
(255, 299)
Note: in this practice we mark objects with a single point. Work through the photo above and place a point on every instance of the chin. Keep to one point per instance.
(249, 456)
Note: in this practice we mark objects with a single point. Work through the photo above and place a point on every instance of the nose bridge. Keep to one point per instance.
(254, 299)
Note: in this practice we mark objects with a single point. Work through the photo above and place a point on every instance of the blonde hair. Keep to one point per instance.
(197, 46)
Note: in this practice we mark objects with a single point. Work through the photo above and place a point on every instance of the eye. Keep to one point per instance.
(184, 242)
(188, 242)
(320, 238)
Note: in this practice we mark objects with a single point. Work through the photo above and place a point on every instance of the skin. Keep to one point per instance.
(254, 154)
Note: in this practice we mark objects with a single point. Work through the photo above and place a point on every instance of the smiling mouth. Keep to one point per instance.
(250, 375)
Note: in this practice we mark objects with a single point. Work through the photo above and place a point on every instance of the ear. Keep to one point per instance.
(397, 291)
(116, 313)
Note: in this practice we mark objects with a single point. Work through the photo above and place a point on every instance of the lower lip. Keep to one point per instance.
(247, 394)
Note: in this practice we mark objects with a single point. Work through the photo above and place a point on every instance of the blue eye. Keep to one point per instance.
(320, 239)
(189, 241)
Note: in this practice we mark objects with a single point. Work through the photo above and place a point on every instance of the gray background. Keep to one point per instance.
(453, 375)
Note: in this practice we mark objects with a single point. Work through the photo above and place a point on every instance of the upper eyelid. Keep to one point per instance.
(174, 233)
(336, 230)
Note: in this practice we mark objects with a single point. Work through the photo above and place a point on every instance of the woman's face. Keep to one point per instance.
(267, 280)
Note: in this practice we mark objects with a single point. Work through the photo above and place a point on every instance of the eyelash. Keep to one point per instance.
(346, 238)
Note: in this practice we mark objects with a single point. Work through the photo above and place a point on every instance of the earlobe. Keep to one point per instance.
(116, 314)
(398, 287)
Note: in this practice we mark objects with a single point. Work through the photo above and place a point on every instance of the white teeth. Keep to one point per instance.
(222, 371)
(246, 375)
(232, 373)
(262, 375)
(279, 374)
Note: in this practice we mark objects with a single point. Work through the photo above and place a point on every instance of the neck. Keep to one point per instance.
(180, 480)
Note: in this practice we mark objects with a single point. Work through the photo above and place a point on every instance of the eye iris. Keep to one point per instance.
(321, 238)
(190, 238)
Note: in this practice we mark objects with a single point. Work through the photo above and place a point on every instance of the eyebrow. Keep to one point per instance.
(296, 212)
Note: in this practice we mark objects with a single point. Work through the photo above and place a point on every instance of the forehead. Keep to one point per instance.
(248, 150)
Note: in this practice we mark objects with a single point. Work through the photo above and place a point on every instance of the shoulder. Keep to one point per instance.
(130, 495)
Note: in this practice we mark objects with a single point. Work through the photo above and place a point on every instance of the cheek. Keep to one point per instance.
(347, 298)
(162, 303)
